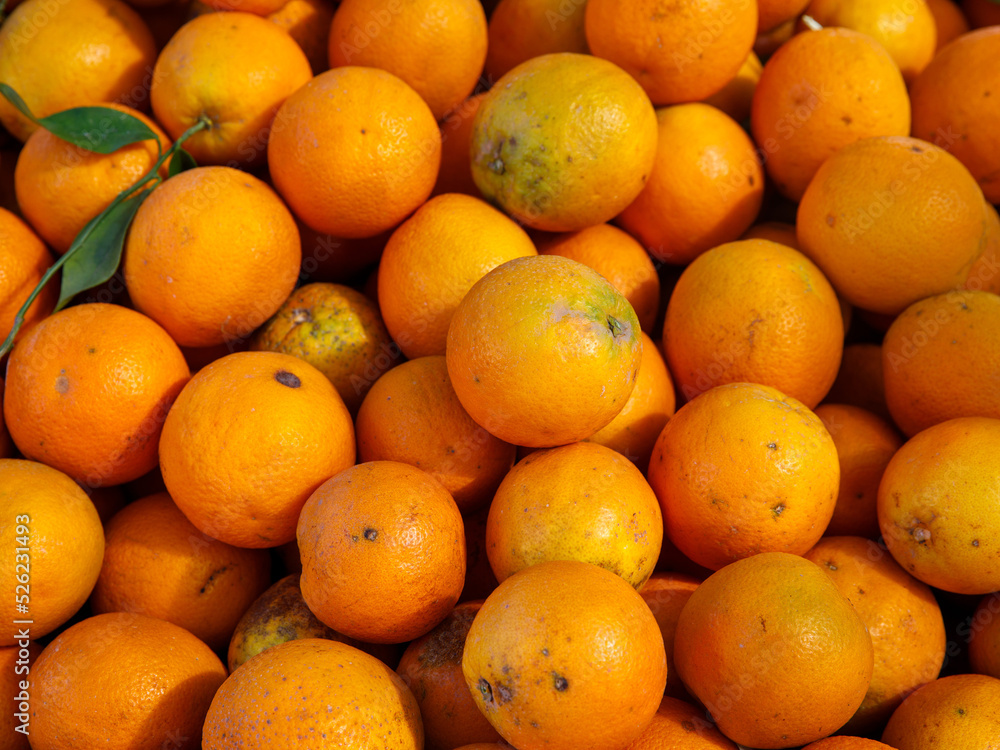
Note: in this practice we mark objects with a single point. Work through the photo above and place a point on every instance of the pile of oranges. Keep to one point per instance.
(533, 374)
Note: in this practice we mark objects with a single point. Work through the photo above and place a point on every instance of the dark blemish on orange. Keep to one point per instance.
(288, 379)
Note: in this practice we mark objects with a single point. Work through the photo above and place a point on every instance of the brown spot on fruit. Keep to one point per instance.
(287, 378)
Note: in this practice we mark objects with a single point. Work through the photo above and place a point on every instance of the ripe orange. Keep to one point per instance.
(774, 13)
(678, 724)
(433, 259)
(412, 415)
(211, 255)
(438, 47)
(841, 742)
(744, 469)
(286, 432)
(455, 175)
(6, 444)
(383, 552)
(820, 91)
(256, 7)
(946, 539)
(24, 259)
(234, 68)
(774, 651)
(74, 53)
(543, 351)
(354, 152)
(522, 29)
(666, 594)
(679, 52)
(431, 667)
(577, 502)
(859, 381)
(949, 21)
(941, 361)
(564, 655)
(563, 141)
(15, 665)
(88, 389)
(961, 710)
(736, 97)
(754, 311)
(984, 273)
(55, 536)
(308, 23)
(122, 681)
(158, 564)
(984, 636)
(688, 206)
(902, 617)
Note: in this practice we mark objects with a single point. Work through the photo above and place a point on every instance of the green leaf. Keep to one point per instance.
(181, 161)
(96, 259)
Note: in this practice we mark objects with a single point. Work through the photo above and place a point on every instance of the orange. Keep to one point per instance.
(820, 91)
(6, 444)
(577, 502)
(337, 330)
(907, 31)
(15, 666)
(522, 29)
(235, 69)
(308, 23)
(666, 594)
(55, 537)
(455, 175)
(859, 381)
(158, 564)
(767, 42)
(431, 667)
(776, 231)
(865, 443)
(949, 21)
(736, 97)
(743, 469)
(438, 47)
(383, 552)
(941, 361)
(841, 742)
(983, 636)
(774, 651)
(287, 431)
(981, 13)
(960, 710)
(543, 351)
(72, 54)
(944, 538)
(565, 654)
(256, 7)
(24, 259)
(354, 152)
(342, 697)
(88, 389)
(774, 13)
(563, 141)
(902, 617)
(985, 270)
(705, 189)
(955, 102)
(413, 416)
(60, 187)
(633, 432)
(678, 725)
(680, 52)
(754, 311)
(211, 255)
(122, 681)
(619, 258)
(433, 259)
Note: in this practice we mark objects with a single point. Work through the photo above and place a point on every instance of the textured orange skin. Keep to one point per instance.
(522, 29)
(754, 311)
(941, 360)
(455, 175)
(245, 484)
(74, 54)
(566, 655)
(433, 259)
(736, 97)
(775, 231)
(956, 711)
(678, 725)
(773, 13)
(431, 667)
(308, 23)
(438, 47)
(744, 469)
(342, 694)
(543, 351)
(984, 273)
(383, 552)
(680, 51)
(949, 21)
(122, 681)
(60, 187)
(66, 545)
(619, 258)
(412, 415)
(238, 80)
(901, 614)
(88, 390)
(577, 502)
(946, 539)
(910, 228)
(354, 152)
(779, 620)
(158, 564)
(23, 261)
(865, 443)
(803, 109)
(255, 7)
(11, 674)
(6, 444)
(859, 380)
(666, 594)
(211, 255)
(847, 743)
(984, 638)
